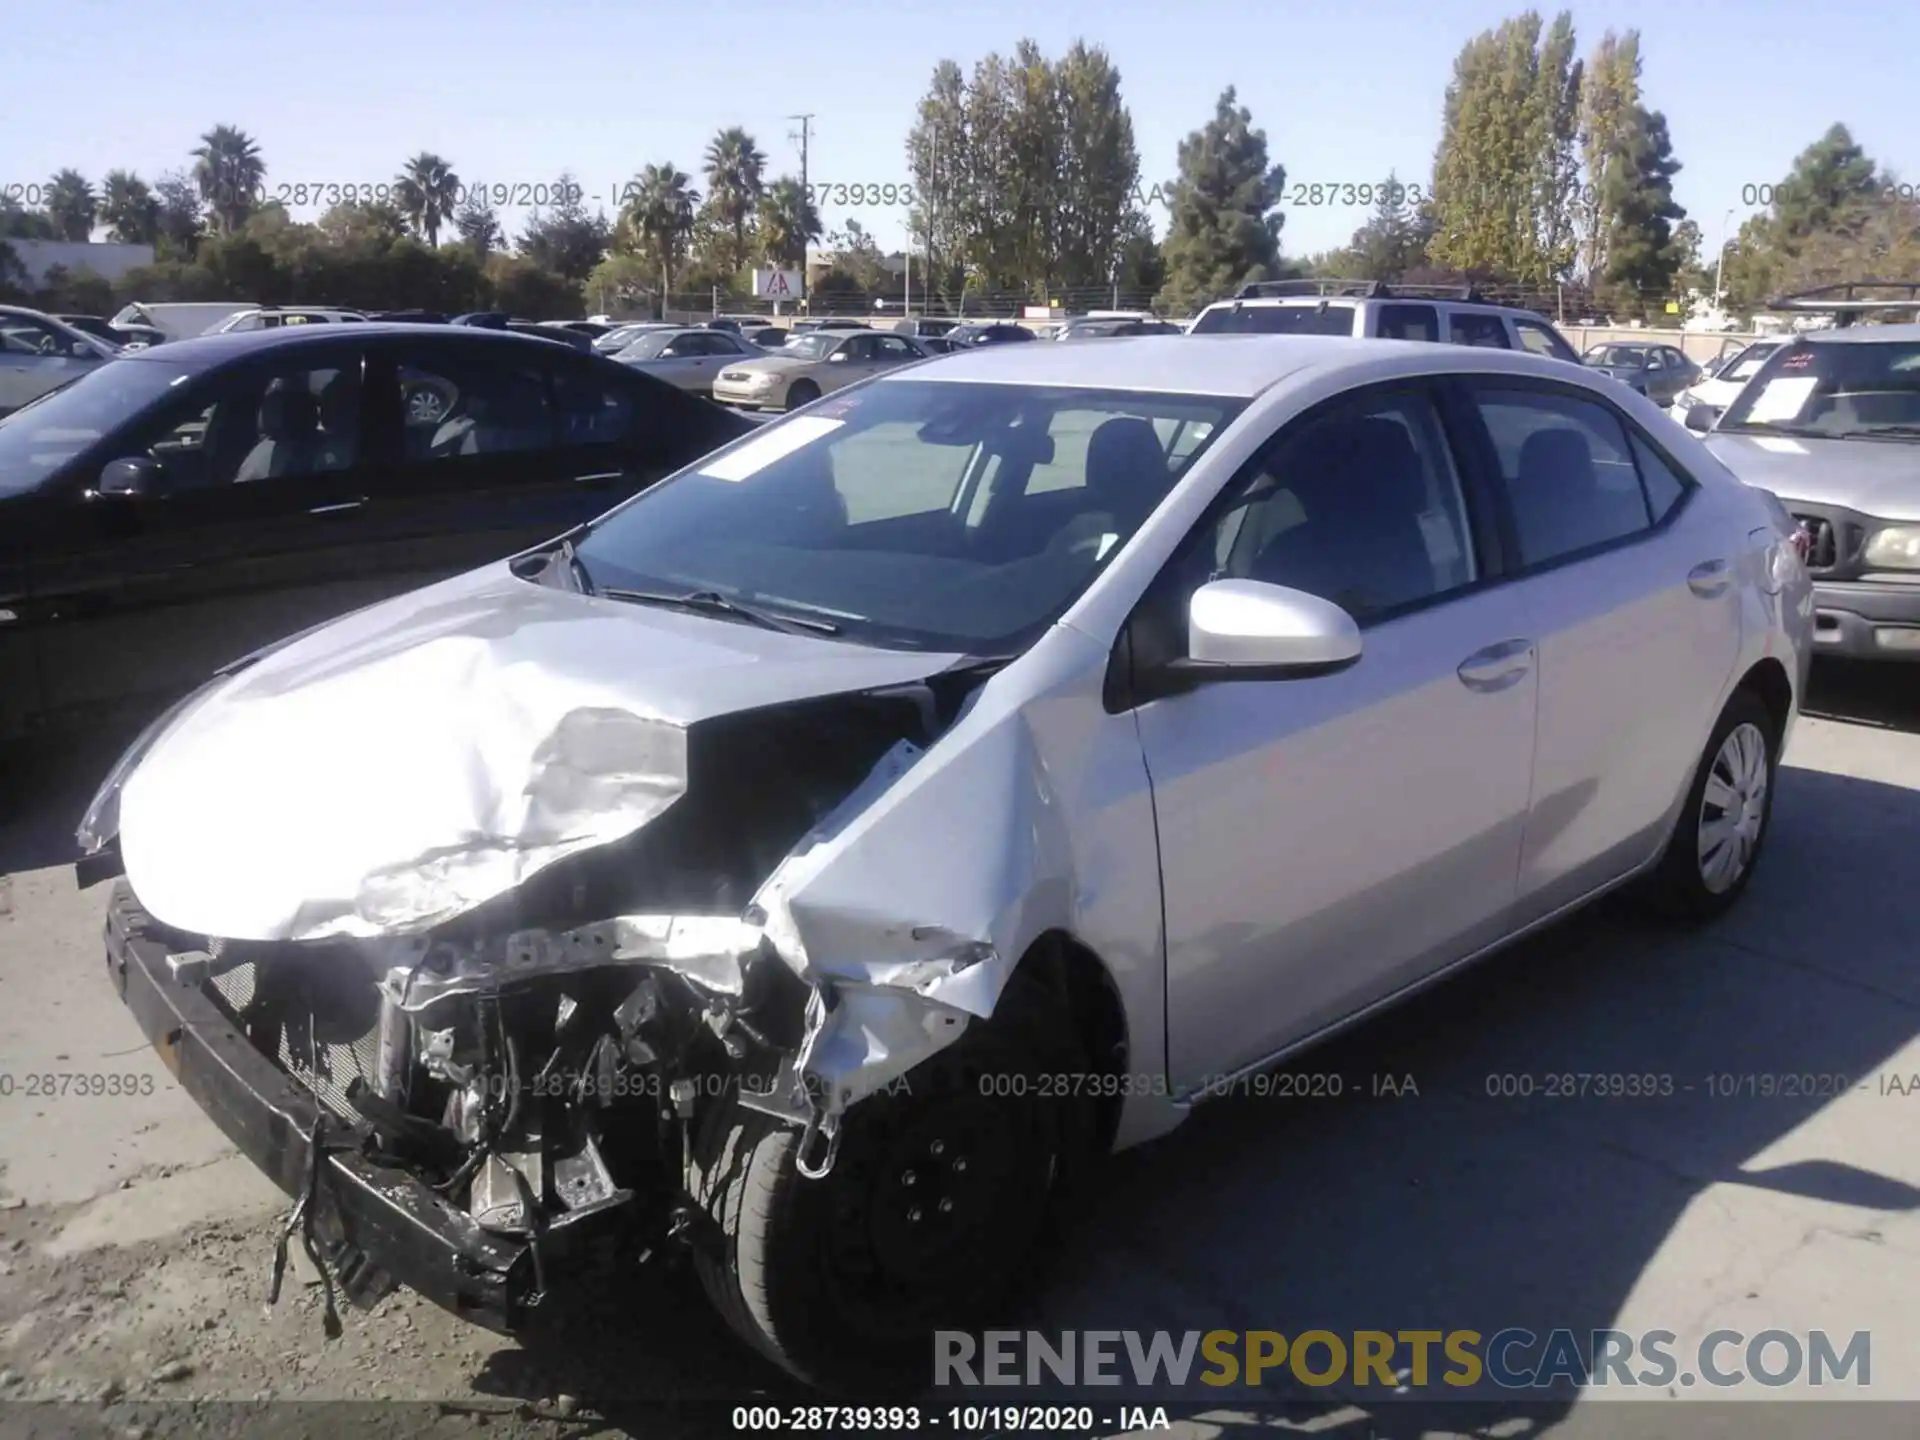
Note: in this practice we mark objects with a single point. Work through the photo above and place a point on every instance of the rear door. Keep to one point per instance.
(252, 536)
(1627, 580)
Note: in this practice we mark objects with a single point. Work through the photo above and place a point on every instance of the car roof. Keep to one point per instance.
(1860, 335)
(204, 351)
(1241, 366)
(1278, 301)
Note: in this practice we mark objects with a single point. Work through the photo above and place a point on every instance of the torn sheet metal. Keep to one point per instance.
(386, 773)
(904, 934)
(709, 950)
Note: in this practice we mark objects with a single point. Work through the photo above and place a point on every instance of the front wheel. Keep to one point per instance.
(1717, 840)
(802, 392)
(927, 1221)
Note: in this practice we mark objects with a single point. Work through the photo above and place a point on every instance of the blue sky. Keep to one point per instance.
(513, 93)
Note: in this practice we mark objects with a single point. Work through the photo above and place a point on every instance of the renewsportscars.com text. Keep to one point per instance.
(1511, 1359)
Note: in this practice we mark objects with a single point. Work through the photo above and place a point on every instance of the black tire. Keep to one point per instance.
(843, 1280)
(1683, 884)
(802, 392)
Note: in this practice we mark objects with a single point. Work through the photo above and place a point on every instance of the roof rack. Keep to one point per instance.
(1846, 305)
(1355, 289)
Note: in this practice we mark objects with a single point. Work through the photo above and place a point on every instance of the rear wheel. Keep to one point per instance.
(927, 1221)
(802, 392)
(1722, 828)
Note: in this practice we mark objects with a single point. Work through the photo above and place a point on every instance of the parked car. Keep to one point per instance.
(621, 336)
(592, 329)
(828, 322)
(39, 353)
(410, 317)
(552, 334)
(988, 333)
(168, 512)
(95, 326)
(1722, 379)
(272, 317)
(1373, 310)
(140, 337)
(810, 365)
(1107, 328)
(483, 319)
(924, 327)
(180, 319)
(1021, 716)
(689, 358)
(1831, 424)
(765, 337)
(1659, 372)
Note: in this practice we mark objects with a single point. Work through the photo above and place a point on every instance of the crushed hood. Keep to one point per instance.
(1875, 477)
(400, 766)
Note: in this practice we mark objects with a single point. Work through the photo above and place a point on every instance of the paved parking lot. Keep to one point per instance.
(137, 1246)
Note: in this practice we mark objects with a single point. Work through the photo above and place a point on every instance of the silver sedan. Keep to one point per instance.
(898, 809)
(39, 353)
(691, 358)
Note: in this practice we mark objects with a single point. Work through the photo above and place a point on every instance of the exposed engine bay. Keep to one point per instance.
(541, 1059)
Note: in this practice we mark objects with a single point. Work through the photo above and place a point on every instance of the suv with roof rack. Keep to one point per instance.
(1830, 423)
(1374, 310)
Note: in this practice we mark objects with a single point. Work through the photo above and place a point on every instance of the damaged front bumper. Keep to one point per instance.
(376, 1227)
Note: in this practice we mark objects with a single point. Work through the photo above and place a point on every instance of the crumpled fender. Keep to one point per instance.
(909, 935)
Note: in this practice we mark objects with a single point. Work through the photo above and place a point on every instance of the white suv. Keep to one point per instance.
(1373, 310)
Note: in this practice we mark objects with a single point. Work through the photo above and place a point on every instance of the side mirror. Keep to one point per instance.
(137, 478)
(838, 357)
(1253, 629)
(1701, 418)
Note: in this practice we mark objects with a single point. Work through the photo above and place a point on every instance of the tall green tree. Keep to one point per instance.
(1099, 170)
(71, 205)
(1224, 228)
(181, 217)
(130, 208)
(1391, 242)
(660, 217)
(1507, 169)
(1643, 255)
(228, 170)
(736, 179)
(478, 226)
(427, 191)
(1830, 187)
(564, 238)
(1609, 91)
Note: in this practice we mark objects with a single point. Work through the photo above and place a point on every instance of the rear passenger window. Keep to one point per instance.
(461, 406)
(1568, 470)
(592, 412)
(1538, 338)
(1466, 328)
(1663, 486)
(1409, 322)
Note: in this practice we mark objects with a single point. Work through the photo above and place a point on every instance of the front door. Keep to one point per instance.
(1326, 841)
(252, 526)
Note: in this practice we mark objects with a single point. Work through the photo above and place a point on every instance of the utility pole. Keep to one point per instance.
(806, 195)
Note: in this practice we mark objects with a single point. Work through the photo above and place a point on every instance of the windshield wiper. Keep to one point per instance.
(712, 602)
(1782, 427)
(1868, 432)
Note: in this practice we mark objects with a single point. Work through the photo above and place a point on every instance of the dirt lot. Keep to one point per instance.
(135, 1248)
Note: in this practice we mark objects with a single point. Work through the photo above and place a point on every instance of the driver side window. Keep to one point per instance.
(260, 426)
(459, 406)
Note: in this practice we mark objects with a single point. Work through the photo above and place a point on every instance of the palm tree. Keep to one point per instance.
(228, 169)
(788, 223)
(71, 205)
(660, 216)
(427, 192)
(130, 208)
(735, 168)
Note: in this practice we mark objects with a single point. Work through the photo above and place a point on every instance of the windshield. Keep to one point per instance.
(915, 514)
(38, 438)
(1839, 390)
(1276, 320)
(1747, 363)
(1628, 357)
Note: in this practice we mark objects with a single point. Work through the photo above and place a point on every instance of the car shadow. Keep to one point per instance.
(45, 787)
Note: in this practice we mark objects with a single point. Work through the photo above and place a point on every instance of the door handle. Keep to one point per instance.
(1709, 578)
(1497, 667)
(338, 507)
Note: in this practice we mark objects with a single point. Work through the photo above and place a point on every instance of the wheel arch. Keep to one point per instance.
(1768, 680)
(1088, 994)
